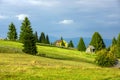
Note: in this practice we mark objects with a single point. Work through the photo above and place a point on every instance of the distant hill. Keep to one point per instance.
(86, 40)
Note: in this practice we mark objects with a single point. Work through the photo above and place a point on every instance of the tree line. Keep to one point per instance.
(26, 29)
(105, 56)
(27, 37)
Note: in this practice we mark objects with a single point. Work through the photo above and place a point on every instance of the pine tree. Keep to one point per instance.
(47, 40)
(118, 40)
(116, 46)
(27, 38)
(42, 38)
(114, 41)
(25, 25)
(62, 44)
(12, 34)
(71, 44)
(97, 41)
(36, 36)
(81, 45)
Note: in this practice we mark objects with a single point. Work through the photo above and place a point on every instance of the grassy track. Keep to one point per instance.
(57, 64)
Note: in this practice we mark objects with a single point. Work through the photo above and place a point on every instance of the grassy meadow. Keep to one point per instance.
(51, 63)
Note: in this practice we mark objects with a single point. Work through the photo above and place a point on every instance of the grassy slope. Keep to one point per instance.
(58, 64)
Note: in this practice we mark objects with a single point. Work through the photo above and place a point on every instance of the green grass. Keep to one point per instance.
(57, 64)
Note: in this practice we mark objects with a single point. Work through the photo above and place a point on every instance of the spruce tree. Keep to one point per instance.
(116, 46)
(118, 40)
(97, 41)
(62, 43)
(25, 25)
(114, 41)
(27, 38)
(42, 38)
(12, 34)
(81, 45)
(47, 40)
(36, 36)
(71, 44)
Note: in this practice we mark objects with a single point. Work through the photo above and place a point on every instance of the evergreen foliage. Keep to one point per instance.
(116, 46)
(27, 38)
(106, 58)
(12, 34)
(36, 36)
(118, 40)
(24, 27)
(97, 41)
(62, 44)
(114, 41)
(71, 44)
(42, 38)
(47, 40)
(81, 45)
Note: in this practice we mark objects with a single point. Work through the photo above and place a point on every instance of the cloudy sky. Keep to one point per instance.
(67, 18)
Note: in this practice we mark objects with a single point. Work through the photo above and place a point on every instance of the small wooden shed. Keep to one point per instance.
(90, 49)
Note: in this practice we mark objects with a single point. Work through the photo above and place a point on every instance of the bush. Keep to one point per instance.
(115, 50)
(105, 58)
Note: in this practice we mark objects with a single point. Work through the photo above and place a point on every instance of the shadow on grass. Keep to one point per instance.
(68, 58)
(8, 49)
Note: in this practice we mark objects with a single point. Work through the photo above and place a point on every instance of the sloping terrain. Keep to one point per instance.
(51, 63)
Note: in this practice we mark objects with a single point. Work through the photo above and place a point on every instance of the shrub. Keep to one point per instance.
(105, 58)
(115, 50)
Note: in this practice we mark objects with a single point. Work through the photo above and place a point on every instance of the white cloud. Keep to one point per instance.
(22, 16)
(3, 17)
(66, 22)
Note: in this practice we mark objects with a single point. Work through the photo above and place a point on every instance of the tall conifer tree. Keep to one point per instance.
(71, 44)
(42, 38)
(47, 40)
(24, 27)
(118, 40)
(62, 44)
(114, 41)
(97, 41)
(27, 38)
(81, 45)
(12, 34)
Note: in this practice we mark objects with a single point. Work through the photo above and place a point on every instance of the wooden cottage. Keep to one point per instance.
(59, 43)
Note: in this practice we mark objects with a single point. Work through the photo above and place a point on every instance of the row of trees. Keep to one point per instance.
(42, 38)
(12, 34)
(105, 57)
(96, 41)
(27, 37)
